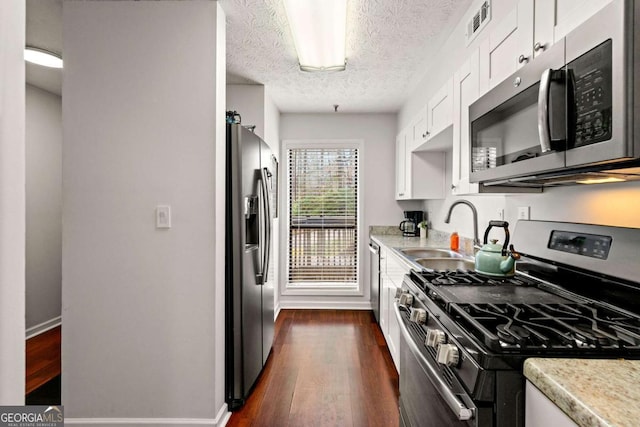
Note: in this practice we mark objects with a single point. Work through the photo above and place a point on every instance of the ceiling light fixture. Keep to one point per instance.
(42, 57)
(319, 32)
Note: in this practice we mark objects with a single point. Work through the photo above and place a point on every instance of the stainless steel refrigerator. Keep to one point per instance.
(251, 189)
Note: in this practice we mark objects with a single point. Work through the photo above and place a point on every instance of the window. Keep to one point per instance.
(323, 216)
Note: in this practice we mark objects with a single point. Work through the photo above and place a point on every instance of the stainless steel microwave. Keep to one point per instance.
(568, 115)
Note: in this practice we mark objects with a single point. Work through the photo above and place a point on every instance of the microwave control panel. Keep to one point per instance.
(591, 74)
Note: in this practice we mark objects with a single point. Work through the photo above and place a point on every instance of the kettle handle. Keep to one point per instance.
(503, 224)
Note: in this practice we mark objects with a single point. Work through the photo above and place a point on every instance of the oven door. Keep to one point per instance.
(425, 398)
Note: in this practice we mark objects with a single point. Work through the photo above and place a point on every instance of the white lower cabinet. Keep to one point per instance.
(391, 275)
(540, 411)
(393, 337)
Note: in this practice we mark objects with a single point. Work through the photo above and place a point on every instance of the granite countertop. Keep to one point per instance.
(592, 392)
(392, 238)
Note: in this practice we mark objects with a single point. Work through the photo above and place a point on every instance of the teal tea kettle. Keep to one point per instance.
(493, 259)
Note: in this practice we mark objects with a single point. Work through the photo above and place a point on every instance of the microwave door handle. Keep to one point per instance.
(543, 111)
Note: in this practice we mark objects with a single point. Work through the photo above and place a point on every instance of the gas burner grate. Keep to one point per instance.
(468, 278)
(573, 327)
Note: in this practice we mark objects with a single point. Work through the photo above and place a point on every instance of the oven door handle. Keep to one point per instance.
(459, 409)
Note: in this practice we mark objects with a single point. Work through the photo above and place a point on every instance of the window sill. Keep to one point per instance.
(323, 290)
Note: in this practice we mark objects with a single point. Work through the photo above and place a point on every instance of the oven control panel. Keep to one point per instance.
(590, 245)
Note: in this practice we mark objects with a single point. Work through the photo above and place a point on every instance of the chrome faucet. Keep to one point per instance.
(476, 240)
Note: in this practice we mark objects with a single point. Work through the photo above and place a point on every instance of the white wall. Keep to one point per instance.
(249, 101)
(377, 182)
(12, 202)
(44, 205)
(607, 204)
(143, 125)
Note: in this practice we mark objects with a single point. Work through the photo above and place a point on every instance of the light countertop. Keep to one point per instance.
(592, 392)
(436, 239)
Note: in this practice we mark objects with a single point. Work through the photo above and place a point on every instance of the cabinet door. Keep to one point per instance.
(440, 110)
(402, 192)
(419, 127)
(419, 175)
(540, 411)
(508, 47)
(571, 13)
(544, 23)
(384, 306)
(393, 337)
(465, 91)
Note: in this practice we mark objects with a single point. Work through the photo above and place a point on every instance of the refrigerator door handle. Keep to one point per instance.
(266, 225)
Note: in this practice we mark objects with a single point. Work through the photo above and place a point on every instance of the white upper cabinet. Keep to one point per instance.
(508, 46)
(466, 83)
(526, 32)
(420, 128)
(402, 192)
(440, 110)
(438, 117)
(419, 175)
(571, 13)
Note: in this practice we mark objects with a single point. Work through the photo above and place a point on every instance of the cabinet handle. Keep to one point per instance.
(523, 58)
(539, 46)
(453, 187)
(400, 194)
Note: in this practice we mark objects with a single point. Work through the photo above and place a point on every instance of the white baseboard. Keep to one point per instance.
(276, 311)
(325, 305)
(43, 327)
(221, 419)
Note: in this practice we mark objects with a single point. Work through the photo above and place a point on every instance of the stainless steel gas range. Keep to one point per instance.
(465, 336)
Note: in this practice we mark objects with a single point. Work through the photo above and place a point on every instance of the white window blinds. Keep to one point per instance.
(323, 215)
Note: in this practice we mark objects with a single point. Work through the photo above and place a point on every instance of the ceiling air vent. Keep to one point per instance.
(478, 20)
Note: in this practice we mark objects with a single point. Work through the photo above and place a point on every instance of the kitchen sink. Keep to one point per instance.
(446, 263)
(430, 253)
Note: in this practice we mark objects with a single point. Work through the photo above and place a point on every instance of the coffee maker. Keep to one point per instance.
(409, 226)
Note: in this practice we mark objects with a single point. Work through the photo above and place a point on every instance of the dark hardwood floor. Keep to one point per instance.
(327, 368)
(42, 359)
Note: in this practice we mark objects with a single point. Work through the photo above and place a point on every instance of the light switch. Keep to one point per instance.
(163, 216)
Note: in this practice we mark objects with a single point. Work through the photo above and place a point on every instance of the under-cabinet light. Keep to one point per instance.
(319, 32)
(42, 57)
(600, 180)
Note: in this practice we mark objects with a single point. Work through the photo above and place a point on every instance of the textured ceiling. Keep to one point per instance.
(44, 30)
(389, 44)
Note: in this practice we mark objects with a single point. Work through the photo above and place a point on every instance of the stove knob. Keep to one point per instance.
(435, 337)
(418, 315)
(448, 354)
(406, 299)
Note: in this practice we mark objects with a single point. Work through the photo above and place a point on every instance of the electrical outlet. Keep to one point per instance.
(523, 212)
(500, 214)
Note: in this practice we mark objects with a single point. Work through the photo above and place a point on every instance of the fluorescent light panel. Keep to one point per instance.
(42, 57)
(319, 30)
